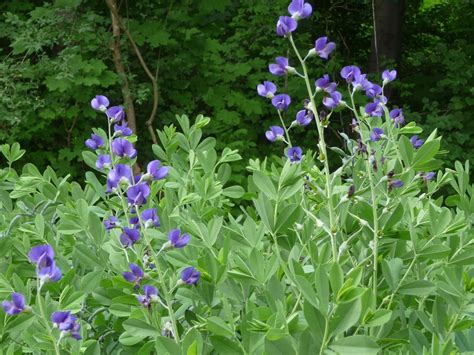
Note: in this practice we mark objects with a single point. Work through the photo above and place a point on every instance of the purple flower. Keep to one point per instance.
(135, 222)
(304, 117)
(156, 171)
(324, 84)
(275, 133)
(416, 142)
(397, 116)
(150, 294)
(43, 257)
(354, 124)
(427, 176)
(129, 237)
(95, 142)
(350, 72)
(150, 218)
(395, 184)
(294, 154)
(137, 194)
(267, 89)
(388, 76)
(123, 129)
(190, 275)
(285, 25)
(103, 161)
(178, 240)
(373, 91)
(123, 148)
(100, 103)
(111, 222)
(135, 275)
(376, 134)
(298, 9)
(375, 109)
(281, 102)
(66, 322)
(333, 100)
(116, 114)
(280, 68)
(119, 174)
(360, 82)
(16, 306)
(323, 47)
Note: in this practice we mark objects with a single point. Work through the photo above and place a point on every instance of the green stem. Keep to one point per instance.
(284, 127)
(46, 320)
(323, 151)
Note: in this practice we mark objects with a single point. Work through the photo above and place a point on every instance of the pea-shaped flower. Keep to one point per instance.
(150, 294)
(94, 142)
(43, 257)
(324, 48)
(138, 194)
(66, 323)
(123, 148)
(16, 306)
(111, 223)
(281, 102)
(298, 9)
(275, 133)
(135, 275)
(325, 84)
(122, 130)
(116, 114)
(416, 142)
(267, 89)
(397, 116)
(281, 67)
(376, 134)
(388, 76)
(333, 100)
(285, 25)
(103, 162)
(120, 174)
(100, 103)
(178, 240)
(129, 237)
(350, 72)
(304, 117)
(156, 171)
(294, 154)
(190, 276)
(150, 218)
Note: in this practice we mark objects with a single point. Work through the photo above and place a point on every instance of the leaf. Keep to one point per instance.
(307, 290)
(130, 340)
(345, 316)
(391, 270)
(437, 251)
(233, 191)
(356, 344)
(86, 256)
(165, 345)
(218, 327)
(380, 317)
(424, 154)
(226, 346)
(20, 323)
(417, 288)
(137, 327)
(465, 257)
(265, 184)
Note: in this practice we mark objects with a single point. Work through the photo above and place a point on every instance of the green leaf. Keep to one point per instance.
(233, 191)
(380, 317)
(391, 271)
(345, 316)
(129, 340)
(20, 323)
(424, 154)
(226, 346)
(417, 288)
(307, 290)
(218, 327)
(165, 345)
(265, 184)
(139, 328)
(356, 344)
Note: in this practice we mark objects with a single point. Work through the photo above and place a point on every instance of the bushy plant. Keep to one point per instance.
(362, 259)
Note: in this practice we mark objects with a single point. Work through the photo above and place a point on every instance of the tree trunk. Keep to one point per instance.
(387, 38)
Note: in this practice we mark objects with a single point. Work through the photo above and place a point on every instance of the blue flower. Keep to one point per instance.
(100, 103)
(416, 142)
(275, 133)
(298, 9)
(267, 89)
(16, 306)
(67, 323)
(150, 294)
(190, 275)
(285, 26)
(129, 237)
(95, 142)
(135, 275)
(138, 194)
(294, 154)
(150, 218)
(376, 134)
(178, 240)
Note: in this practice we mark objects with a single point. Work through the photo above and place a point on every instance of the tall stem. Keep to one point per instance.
(323, 151)
(46, 320)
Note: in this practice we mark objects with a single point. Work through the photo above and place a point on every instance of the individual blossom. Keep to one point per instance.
(95, 142)
(150, 218)
(122, 129)
(397, 116)
(103, 161)
(294, 154)
(43, 257)
(66, 323)
(281, 102)
(135, 274)
(350, 72)
(333, 100)
(324, 84)
(281, 67)
(388, 76)
(373, 91)
(177, 239)
(40, 251)
(376, 134)
(267, 89)
(375, 109)
(116, 114)
(137, 194)
(111, 223)
(360, 81)
(361, 148)
(190, 276)
(354, 125)
(298, 9)
(120, 174)
(275, 133)
(135, 222)
(324, 48)
(304, 117)
(416, 142)
(129, 237)
(155, 171)
(285, 26)
(123, 148)
(427, 176)
(16, 306)
(150, 294)
(395, 184)
(100, 103)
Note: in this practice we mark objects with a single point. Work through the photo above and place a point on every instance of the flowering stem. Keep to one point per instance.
(164, 288)
(323, 152)
(284, 127)
(45, 319)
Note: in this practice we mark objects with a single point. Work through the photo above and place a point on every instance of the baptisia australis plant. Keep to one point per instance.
(353, 207)
(116, 159)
